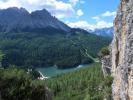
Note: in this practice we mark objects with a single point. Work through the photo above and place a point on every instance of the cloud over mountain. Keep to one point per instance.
(87, 26)
(58, 8)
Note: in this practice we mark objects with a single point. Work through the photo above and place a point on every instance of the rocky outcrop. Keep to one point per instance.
(106, 65)
(122, 52)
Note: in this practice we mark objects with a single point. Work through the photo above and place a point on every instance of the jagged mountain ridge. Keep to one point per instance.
(104, 32)
(20, 20)
(15, 19)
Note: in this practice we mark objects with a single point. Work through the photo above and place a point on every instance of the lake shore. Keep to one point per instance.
(54, 71)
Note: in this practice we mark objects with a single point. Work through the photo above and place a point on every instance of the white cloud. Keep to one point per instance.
(103, 24)
(74, 2)
(9, 3)
(58, 8)
(81, 24)
(80, 13)
(97, 18)
(3, 0)
(87, 26)
(105, 14)
(108, 14)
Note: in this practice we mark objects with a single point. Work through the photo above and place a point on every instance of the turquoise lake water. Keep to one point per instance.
(53, 71)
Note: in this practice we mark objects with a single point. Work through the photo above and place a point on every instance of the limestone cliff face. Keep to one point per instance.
(106, 65)
(122, 52)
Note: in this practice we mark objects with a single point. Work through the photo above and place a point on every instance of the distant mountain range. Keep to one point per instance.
(104, 32)
(20, 20)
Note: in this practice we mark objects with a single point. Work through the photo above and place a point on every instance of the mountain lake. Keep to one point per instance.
(54, 71)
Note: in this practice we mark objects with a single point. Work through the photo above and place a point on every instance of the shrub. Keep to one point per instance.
(17, 84)
(104, 52)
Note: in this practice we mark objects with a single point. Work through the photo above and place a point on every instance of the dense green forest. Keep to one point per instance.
(39, 49)
(85, 84)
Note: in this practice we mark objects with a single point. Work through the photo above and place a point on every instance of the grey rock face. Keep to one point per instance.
(106, 65)
(20, 20)
(122, 52)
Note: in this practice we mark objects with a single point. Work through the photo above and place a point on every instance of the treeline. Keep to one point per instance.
(85, 84)
(39, 50)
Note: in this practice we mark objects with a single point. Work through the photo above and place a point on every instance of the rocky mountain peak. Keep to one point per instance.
(20, 20)
(41, 13)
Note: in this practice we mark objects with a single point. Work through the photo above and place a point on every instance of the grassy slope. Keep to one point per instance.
(84, 84)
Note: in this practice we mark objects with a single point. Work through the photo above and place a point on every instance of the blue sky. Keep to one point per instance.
(96, 13)
(87, 14)
(93, 8)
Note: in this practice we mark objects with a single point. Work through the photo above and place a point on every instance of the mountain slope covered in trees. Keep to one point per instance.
(39, 50)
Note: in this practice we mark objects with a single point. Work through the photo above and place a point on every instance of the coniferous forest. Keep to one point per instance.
(40, 50)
